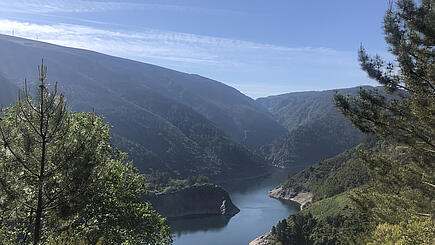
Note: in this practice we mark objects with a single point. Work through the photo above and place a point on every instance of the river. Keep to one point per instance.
(258, 213)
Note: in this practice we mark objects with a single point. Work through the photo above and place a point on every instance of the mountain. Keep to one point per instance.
(166, 120)
(8, 91)
(316, 129)
(237, 115)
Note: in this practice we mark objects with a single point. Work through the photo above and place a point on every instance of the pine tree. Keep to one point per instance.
(402, 114)
(59, 175)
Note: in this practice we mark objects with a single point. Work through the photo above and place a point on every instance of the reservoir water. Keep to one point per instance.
(258, 213)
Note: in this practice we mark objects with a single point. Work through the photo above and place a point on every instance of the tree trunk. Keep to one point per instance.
(37, 232)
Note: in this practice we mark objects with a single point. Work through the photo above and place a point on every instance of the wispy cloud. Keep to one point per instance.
(80, 6)
(160, 44)
(234, 61)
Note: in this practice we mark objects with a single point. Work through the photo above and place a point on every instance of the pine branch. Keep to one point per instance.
(13, 153)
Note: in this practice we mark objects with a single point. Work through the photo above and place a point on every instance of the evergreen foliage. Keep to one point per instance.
(330, 221)
(60, 177)
(403, 183)
(397, 205)
(416, 230)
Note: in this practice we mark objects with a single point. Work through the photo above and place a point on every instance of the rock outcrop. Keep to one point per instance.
(261, 240)
(194, 201)
(303, 198)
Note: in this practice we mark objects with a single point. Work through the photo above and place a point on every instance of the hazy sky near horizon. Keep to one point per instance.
(259, 47)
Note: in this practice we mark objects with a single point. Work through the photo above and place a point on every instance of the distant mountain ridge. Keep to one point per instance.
(234, 113)
(166, 120)
(316, 129)
(294, 109)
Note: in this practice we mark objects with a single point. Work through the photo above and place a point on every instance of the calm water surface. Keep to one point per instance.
(258, 213)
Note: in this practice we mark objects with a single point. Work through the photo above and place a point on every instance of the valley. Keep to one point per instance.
(285, 146)
(187, 132)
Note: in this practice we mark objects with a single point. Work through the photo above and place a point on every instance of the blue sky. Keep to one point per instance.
(259, 47)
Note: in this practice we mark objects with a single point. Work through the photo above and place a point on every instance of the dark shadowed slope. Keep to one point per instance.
(317, 129)
(8, 91)
(159, 115)
(235, 114)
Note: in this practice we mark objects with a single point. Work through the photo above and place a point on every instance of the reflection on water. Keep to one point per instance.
(258, 213)
(186, 226)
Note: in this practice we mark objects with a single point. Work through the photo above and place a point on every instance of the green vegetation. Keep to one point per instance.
(403, 182)
(62, 182)
(334, 175)
(339, 185)
(397, 205)
(317, 130)
(162, 182)
(416, 230)
(333, 220)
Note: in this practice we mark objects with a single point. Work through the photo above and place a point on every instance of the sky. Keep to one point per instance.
(259, 47)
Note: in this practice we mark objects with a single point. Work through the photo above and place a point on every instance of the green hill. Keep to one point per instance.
(332, 217)
(334, 175)
(335, 214)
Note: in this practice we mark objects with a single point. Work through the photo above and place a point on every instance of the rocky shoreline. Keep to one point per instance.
(194, 201)
(261, 240)
(303, 198)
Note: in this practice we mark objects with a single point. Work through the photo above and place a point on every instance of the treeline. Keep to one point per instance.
(163, 182)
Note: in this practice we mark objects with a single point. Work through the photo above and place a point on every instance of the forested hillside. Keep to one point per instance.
(334, 175)
(339, 186)
(159, 115)
(331, 217)
(317, 130)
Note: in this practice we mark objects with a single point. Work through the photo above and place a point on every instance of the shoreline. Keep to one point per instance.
(302, 198)
(261, 240)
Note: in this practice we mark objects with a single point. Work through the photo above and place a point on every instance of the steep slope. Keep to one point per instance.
(332, 217)
(158, 130)
(317, 130)
(328, 177)
(8, 91)
(337, 184)
(235, 114)
(295, 109)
